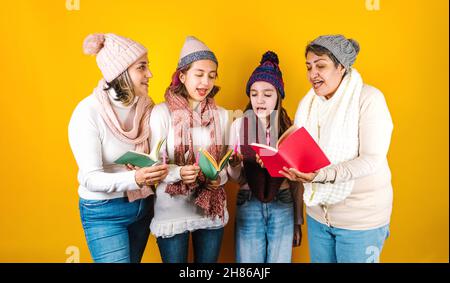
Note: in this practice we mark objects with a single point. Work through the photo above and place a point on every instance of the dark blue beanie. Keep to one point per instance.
(268, 71)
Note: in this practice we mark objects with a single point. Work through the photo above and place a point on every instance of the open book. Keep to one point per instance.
(209, 165)
(295, 149)
(141, 159)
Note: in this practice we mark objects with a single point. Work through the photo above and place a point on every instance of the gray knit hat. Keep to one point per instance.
(345, 50)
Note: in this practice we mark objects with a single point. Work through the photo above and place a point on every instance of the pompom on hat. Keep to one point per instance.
(268, 71)
(114, 53)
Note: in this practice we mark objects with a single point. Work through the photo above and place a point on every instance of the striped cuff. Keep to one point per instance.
(199, 55)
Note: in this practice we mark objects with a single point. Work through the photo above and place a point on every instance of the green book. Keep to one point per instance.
(141, 159)
(209, 165)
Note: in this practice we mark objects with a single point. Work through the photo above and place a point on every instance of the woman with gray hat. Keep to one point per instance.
(348, 203)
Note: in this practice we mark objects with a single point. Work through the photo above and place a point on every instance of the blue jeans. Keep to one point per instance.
(206, 243)
(116, 230)
(264, 231)
(335, 245)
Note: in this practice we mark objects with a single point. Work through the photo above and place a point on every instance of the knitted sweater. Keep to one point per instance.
(177, 214)
(369, 205)
(95, 148)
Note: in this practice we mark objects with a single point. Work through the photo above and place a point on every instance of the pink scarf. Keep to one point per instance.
(139, 135)
(184, 119)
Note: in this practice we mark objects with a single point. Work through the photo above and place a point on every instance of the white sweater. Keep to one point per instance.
(177, 214)
(369, 206)
(95, 148)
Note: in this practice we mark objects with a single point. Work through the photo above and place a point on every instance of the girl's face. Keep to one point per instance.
(263, 97)
(139, 74)
(199, 79)
(323, 75)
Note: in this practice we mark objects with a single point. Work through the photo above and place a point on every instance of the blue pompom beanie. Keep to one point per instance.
(268, 71)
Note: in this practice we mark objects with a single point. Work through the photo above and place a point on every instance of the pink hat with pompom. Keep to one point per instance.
(114, 53)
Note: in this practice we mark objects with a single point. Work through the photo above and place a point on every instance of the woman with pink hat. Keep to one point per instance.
(115, 206)
(187, 203)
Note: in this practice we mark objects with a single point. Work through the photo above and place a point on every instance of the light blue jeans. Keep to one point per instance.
(116, 230)
(264, 231)
(206, 244)
(335, 245)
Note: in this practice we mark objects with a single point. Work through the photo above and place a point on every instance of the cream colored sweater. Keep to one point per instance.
(369, 206)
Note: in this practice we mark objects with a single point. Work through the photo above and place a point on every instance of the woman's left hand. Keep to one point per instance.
(297, 176)
(213, 184)
(297, 235)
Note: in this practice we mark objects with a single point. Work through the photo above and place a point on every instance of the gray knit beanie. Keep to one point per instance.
(345, 50)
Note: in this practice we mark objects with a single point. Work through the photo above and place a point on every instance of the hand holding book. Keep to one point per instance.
(149, 169)
(295, 149)
(213, 184)
(259, 161)
(151, 175)
(295, 175)
(189, 173)
(235, 159)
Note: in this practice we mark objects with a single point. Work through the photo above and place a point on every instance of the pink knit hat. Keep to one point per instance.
(194, 50)
(114, 53)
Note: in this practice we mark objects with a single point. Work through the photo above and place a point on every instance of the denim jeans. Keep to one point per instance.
(206, 243)
(334, 245)
(116, 230)
(264, 231)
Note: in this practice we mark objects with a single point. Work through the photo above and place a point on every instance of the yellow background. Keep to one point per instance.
(44, 74)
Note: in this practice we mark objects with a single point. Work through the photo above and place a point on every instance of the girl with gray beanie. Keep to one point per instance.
(348, 203)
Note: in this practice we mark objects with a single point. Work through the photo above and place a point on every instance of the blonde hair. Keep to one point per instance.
(123, 87)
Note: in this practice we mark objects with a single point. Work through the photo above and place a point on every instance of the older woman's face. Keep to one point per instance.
(323, 75)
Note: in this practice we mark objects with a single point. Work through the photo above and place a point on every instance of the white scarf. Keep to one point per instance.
(334, 124)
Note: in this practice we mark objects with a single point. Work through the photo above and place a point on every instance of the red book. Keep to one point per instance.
(295, 149)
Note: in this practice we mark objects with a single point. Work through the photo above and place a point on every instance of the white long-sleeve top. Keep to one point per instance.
(177, 214)
(95, 148)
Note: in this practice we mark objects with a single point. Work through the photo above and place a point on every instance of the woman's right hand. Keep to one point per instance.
(189, 173)
(236, 159)
(258, 159)
(151, 175)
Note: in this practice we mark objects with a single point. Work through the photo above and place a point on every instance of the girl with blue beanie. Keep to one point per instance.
(269, 210)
